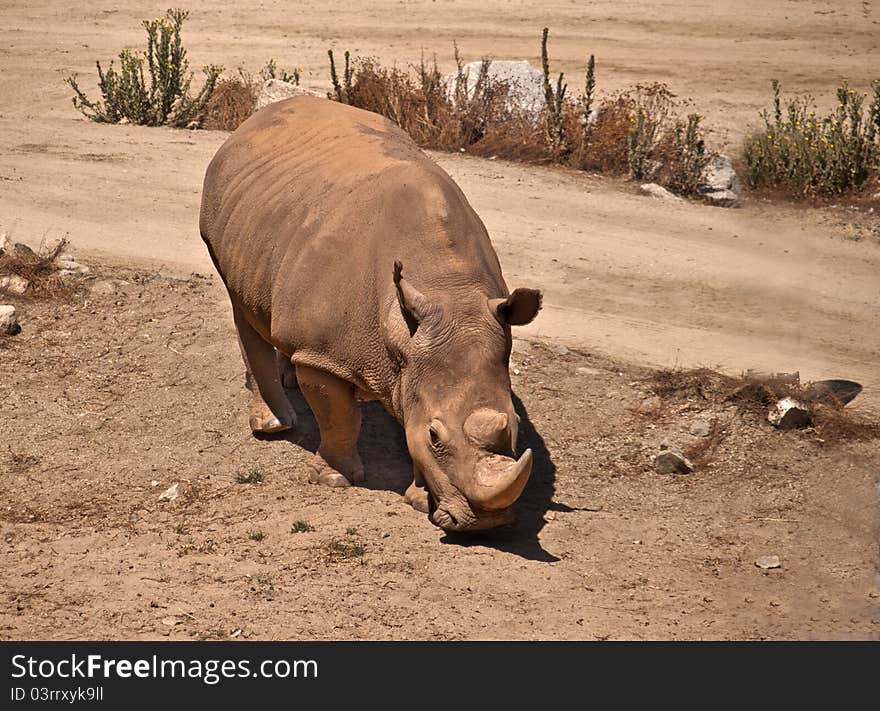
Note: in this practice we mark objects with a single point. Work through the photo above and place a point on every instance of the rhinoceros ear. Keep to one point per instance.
(517, 309)
(416, 308)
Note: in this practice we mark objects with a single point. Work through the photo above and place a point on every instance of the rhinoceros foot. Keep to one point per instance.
(263, 420)
(417, 497)
(338, 474)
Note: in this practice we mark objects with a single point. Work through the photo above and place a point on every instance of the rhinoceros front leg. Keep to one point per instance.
(334, 406)
(269, 411)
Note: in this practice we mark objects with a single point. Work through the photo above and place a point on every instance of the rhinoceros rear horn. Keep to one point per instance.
(416, 308)
(517, 309)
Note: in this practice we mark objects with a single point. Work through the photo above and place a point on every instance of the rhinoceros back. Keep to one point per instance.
(305, 209)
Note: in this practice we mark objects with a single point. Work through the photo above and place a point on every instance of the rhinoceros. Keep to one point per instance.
(354, 256)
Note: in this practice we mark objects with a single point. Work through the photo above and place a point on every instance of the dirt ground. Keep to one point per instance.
(110, 392)
(113, 397)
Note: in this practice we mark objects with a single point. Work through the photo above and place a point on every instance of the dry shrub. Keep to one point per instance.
(832, 422)
(636, 133)
(232, 103)
(604, 147)
(39, 269)
(436, 113)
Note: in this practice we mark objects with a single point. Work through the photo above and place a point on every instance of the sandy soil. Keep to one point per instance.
(112, 398)
(765, 286)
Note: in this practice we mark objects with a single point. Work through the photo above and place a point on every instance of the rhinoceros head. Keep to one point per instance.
(454, 395)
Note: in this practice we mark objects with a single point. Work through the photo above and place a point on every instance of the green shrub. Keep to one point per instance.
(805, 154)
(271, 71)
(162, 99)
(254, 475)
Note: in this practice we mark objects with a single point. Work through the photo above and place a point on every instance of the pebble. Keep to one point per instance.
(788, 414)
(171, 493)
(13, 284)
(768, 561)
(669, 462)
(9, 325)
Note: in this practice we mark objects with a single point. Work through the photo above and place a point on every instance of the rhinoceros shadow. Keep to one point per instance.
(382, 446)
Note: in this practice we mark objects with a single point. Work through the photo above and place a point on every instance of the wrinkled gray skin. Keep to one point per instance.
(354, 255)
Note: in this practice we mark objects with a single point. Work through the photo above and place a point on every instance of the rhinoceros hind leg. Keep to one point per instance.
(269, 411)
(332, 400)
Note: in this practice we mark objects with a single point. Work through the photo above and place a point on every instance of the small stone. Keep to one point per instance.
(14, 284)
(659, 192)
(67, 265)
(584, 370)
(521, 346)
(9, 325)
(235, 633)
(562, 350)
(5, 243)
(789, 414)
(701, 428)
(170, 621)
(768, 561)
(171, 493)
(154, 483)
(669, 462)
(516, 371)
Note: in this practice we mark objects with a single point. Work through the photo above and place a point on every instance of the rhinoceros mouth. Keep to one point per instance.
(459, 519)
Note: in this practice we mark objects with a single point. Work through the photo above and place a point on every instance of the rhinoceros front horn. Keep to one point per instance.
(499, 481)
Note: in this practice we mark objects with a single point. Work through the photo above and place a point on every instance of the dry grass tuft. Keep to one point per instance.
(39, 269)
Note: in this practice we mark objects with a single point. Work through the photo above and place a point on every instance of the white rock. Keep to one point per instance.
(9, 325)
(562, 350)
(768, 561)
(720, 184)
(789, 414)
(68, 265)
(659, 192)
(5, 243)
(525, 82)
(669, 462)
(274, 90)
(171, 493)
(584, 370)
(14, 284)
